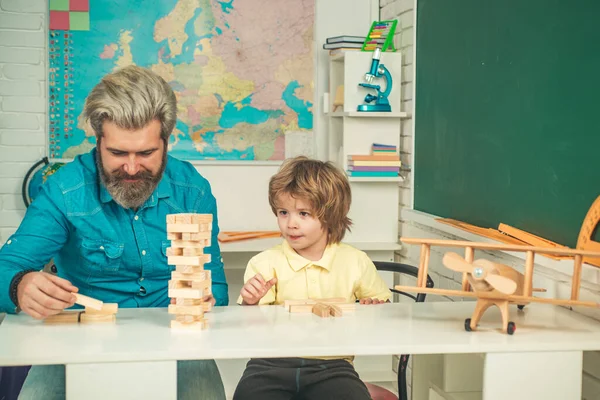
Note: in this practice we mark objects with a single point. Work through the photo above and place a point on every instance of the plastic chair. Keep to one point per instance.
(377, 392)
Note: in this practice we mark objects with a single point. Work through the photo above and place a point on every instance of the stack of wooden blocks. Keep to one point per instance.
(190, 283)
(96, 312)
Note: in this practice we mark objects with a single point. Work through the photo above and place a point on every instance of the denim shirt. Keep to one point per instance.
(114, 254)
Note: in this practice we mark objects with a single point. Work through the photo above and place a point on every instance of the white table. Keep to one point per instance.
(137, 356)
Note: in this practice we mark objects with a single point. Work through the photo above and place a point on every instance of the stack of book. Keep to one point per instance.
(384, 161)
(347, 42)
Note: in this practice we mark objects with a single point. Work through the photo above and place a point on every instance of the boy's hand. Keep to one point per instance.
(255, 289)
(371, 301)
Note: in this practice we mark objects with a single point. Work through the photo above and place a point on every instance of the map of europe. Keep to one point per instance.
(242, 70)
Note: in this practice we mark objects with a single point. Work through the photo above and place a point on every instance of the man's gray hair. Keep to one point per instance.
(131, 97)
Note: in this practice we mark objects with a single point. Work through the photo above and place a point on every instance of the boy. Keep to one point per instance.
(311, 200)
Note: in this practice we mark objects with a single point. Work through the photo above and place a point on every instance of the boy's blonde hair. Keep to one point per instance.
(131, 97)
(321, 184)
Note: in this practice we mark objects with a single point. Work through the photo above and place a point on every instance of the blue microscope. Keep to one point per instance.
(381, 100)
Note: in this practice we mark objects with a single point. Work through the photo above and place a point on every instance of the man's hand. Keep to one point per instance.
(371, 301)
(255, 289)
(41, 295)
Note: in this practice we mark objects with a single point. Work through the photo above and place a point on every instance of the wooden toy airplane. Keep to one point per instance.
(496, 284)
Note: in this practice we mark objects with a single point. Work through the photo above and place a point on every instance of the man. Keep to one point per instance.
(102, 218)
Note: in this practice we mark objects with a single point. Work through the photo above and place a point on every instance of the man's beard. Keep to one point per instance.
(130, 194)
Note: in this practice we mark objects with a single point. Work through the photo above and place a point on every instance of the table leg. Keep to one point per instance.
(533, 375)
(126, 380)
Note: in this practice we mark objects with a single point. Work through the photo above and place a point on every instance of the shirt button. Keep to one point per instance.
(9, 242)
(142, 279)
(101, 247)
(136, 217)
(143, 252)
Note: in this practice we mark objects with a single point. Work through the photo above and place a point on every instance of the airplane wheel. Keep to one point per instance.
(468, 325)
(511, 328)
(521, 307)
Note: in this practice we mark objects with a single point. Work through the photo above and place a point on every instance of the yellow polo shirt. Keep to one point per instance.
(343, 271)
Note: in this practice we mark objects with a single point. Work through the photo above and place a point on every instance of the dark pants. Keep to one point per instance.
(300, 379)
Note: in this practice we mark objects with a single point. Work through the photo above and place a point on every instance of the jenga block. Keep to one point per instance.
(190, 243)
(173, 236)
(301, 308)
(183, 228)
(174, 251)
(183, 218)
(189, 269)
(189, 310)
(195, 277)
(205, 285)
(88, 301)
(97, 318)
(180, 301)
(322, 310)
(107, 308)
(335, 310)
(188, 318)
(66, 317)
(192, 251)
(202, 218)
(198, 237)
(189, 260)
(171, 218)
(195, 326)
(334, 300)
(186, 293)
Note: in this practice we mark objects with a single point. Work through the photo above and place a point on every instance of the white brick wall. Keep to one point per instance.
(22, 101)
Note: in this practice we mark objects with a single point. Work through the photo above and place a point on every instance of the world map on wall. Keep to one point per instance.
(242, 70)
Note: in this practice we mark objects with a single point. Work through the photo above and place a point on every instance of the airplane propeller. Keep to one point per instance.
(480, 269)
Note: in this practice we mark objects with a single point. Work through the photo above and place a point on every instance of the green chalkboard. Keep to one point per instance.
(507, 113)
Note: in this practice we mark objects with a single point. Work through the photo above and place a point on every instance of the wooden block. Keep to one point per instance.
(189, 310)
(334, 300)
(173, 236)
(183, 218)
(65, 317)
(174, 251)
(88, 301)
(192, 251)
(189, 269)
(107, 308)
(180, 301)
(202, 218)
(322, 310)
(335, 310)
(189, 260)
(193, 277)
(183, 228)
(186, 293)
(198, 325)
(188, 318)
(192, 218)
(191, 243)
(301, 308)
(171, 218)
(197, 237)
(97, 318)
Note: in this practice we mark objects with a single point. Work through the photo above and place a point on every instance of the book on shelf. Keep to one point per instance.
(375, 157)
(396, 163)
(372, 168)
(342, 45)
(373, 174)
(351, 39)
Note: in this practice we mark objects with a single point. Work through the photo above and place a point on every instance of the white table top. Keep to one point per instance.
(270, 331)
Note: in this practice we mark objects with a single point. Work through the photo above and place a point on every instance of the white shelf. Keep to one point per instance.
(366, 114)
(258, 245)
(375, 179)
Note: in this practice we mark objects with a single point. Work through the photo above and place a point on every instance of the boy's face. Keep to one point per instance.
(300, 228)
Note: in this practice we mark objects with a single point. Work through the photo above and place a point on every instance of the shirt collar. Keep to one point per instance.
(297, 262)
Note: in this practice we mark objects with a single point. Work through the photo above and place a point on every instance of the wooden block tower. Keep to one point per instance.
(190, 282)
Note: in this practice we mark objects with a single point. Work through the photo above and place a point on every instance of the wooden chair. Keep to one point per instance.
(377, 392)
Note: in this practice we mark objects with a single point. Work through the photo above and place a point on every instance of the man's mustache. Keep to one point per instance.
(141, 175)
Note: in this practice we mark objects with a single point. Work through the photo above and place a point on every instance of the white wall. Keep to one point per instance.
(22, 102)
